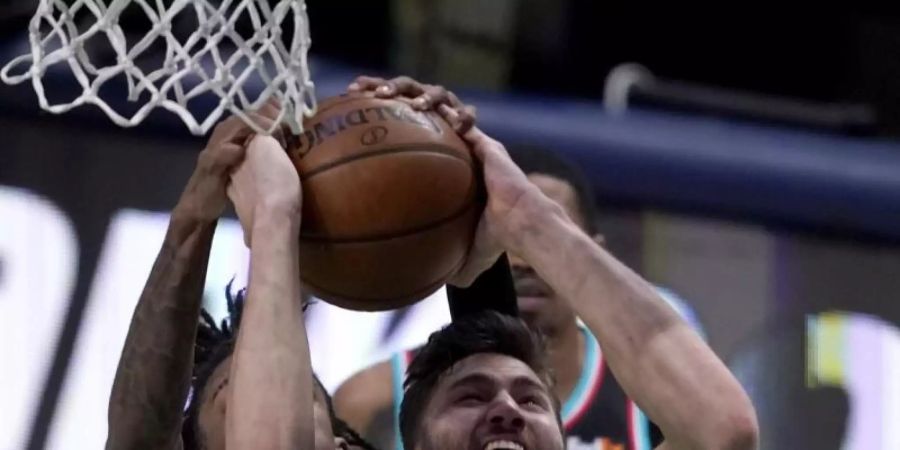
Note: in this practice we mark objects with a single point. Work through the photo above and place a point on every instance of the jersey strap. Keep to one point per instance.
(588, 384)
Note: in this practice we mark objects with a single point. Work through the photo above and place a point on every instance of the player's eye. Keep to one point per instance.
(531, 401)
(470, 398)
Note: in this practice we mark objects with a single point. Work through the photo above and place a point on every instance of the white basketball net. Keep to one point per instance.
(214, 59)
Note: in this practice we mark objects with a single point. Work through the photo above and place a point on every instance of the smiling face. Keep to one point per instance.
(489, 401)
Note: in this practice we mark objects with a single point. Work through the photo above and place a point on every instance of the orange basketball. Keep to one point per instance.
(389, 202)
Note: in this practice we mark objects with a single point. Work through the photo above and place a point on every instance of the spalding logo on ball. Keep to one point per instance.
(389, 202)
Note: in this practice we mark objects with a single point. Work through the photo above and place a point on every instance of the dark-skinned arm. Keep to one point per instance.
(154, 372)
(153, 377)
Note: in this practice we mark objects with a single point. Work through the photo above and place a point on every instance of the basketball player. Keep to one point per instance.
(158, 359)
(471, 386)
(479, 384)
(147, 402)
(268, 389)
(595, 409)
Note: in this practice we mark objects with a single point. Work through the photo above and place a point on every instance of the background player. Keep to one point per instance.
(456, 395)
(594, 407)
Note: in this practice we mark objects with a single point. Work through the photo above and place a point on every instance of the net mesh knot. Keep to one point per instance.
(213, 60)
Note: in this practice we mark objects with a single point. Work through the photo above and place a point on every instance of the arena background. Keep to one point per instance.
(758, 178)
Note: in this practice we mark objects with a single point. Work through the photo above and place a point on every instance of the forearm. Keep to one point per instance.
(271, 401)
(154, 372)
(660, 362)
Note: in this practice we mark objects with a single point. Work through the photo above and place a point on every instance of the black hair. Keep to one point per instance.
(339, 427)
(213, 345)
(487, 332)
(543, 161)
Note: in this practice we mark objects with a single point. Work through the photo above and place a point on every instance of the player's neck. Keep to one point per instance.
(567, 364)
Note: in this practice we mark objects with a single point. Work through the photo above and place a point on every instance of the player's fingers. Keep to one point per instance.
(238, 132)
(450, 115)
(400, 86)
(365, 83)
(221, 161)
(455, 101)
(483, 146)
(231, 156)
(271, 108)
(244, 132)
(467, 116)
(224, 131)
(462, 120)
(433, 95)
(423, 102)
(291, 140)
(462, 108)
(269, 123)
(260, 120)
(276, 130)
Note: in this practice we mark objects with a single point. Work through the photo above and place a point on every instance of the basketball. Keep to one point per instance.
(389, 202)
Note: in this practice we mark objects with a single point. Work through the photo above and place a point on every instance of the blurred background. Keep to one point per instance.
(747, 160)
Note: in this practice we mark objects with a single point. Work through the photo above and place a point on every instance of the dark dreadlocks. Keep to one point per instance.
(213, 345)
(341, 428)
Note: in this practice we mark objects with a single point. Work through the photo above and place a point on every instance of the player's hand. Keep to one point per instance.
(204, 198)
(423, 97)
(266, 182)
(511, 200)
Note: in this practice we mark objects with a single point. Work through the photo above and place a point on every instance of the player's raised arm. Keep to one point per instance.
(153, 377)
(270, 403)
(659, 360)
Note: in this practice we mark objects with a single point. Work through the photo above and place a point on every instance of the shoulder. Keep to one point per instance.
(682, 307)
(364, 394)
(366, 385)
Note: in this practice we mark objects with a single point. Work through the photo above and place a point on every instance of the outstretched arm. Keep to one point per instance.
(153, 376)
(270, 403)
(154, 372)
(660, 361)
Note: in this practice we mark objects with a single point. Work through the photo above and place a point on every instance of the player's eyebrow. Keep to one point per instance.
(473, 379)
(528, 383)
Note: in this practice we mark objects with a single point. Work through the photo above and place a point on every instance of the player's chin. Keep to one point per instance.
(533, 303)
(532, 307)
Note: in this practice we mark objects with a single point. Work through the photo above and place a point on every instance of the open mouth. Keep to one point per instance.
(503, 445)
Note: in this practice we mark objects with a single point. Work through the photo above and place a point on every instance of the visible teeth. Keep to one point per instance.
(503, 445)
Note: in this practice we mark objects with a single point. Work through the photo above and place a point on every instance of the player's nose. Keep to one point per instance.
(504, 413)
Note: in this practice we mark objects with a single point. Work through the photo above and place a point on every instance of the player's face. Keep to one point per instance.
(538, 304)
(212, 413)
(490, 401)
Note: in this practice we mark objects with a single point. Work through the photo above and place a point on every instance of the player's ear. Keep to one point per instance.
(341, 444)
(599, 239)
